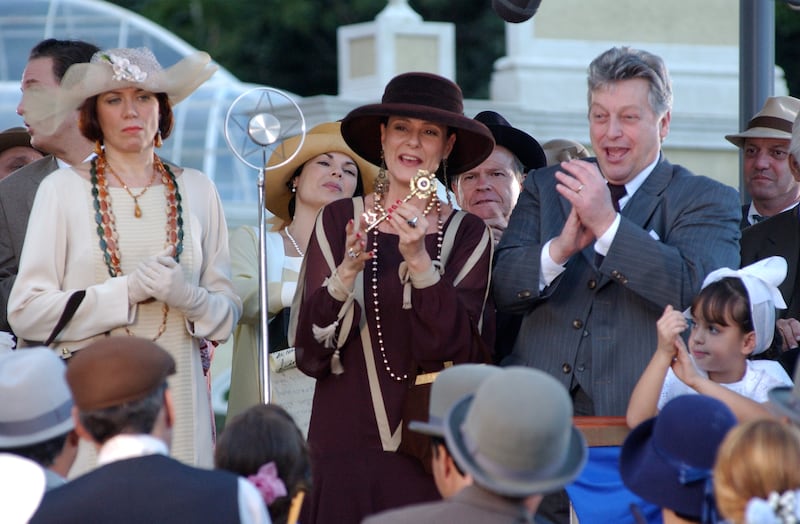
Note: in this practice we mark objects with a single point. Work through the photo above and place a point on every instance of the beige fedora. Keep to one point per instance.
(773, 121)
(323, 138)
(115, 69)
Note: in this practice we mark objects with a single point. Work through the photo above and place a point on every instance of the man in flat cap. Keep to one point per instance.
(123, 405)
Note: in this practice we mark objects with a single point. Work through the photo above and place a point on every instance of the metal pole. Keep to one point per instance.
(263, 313)
(756, 63)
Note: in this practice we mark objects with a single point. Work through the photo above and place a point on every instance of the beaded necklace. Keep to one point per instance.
(107, 224)
(293, 241)
(378, 209)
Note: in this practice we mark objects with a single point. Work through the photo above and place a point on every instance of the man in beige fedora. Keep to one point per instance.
(780, 236)
(765, 148)
(515, 437)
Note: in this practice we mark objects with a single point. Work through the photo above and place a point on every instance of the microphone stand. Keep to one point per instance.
(263, 312)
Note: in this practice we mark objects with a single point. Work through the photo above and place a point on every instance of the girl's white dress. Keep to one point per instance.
(760, 376)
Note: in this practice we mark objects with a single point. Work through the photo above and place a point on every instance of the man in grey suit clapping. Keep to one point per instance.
(595, 249)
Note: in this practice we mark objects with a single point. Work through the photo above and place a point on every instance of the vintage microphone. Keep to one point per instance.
(257, 123)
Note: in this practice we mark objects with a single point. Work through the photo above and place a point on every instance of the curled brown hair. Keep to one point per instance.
(755, 459)
(90, 125)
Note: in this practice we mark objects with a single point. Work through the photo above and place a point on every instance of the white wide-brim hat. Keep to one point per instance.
(114, 69)
(22, 485)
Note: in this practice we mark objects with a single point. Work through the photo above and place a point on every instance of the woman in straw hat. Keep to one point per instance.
(325, 169)
(146, 240)
(393, 285)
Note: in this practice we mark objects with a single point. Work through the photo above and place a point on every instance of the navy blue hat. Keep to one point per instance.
(524, 146)
(667, 460)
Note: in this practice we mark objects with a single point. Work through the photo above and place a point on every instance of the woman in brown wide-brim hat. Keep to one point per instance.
(394, 285)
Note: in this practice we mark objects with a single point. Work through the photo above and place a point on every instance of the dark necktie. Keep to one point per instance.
(757, 218)
(617, 192)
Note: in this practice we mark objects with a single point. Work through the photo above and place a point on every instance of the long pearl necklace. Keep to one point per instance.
(293, 241)
(378, 208)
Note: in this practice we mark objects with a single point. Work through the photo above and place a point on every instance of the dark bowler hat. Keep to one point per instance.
(523, 145)
(115, 370)
(428, 97)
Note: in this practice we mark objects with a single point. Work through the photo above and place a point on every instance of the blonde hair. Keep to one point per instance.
(755, 459)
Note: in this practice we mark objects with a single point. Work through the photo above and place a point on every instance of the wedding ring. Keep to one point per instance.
(352, 254)
(412, 222)
(579, 188)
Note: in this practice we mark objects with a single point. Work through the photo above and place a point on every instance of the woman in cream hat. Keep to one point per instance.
(394, 285)
(325, 169)
(147, 241)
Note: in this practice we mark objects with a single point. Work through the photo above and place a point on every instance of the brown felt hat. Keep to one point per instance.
(115, 370)
(14, 137)
(427, 97)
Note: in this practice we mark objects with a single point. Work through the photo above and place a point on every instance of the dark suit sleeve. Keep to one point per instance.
(8, 267)
(693, 231)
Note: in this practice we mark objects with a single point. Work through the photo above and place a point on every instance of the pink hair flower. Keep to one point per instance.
(268, 483)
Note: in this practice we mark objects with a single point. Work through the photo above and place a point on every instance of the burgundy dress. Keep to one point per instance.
(354, 425)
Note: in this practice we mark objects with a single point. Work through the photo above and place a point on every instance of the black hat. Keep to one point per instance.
(523, 145)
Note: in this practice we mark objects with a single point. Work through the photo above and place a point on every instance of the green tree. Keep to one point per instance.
(291, 44)
(787, 45)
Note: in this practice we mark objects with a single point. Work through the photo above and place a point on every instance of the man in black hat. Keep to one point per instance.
(124, 407)
(490, 191)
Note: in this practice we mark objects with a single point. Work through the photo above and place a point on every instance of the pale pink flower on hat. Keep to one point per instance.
(124, 70)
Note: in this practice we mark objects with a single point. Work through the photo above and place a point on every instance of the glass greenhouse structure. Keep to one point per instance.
(198, 139)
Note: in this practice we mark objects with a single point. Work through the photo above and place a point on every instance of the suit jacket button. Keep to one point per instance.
(592, 284)
(615, 274)
(524, 294)
(577, 323)
(566, 368)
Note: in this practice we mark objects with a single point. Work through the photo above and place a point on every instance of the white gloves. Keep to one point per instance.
(163, 279)
(136, 288)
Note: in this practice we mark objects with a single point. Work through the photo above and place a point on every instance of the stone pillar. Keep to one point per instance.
(397, 41)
